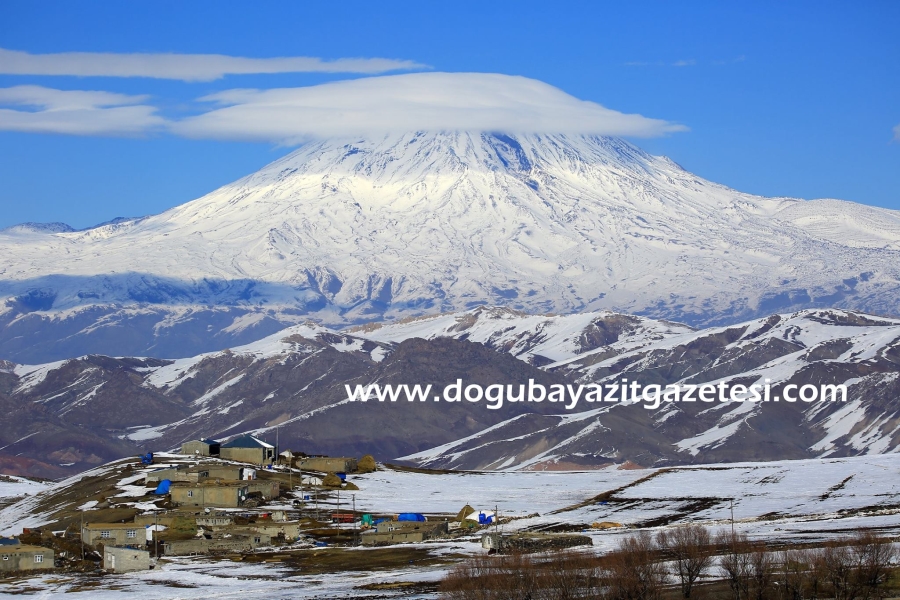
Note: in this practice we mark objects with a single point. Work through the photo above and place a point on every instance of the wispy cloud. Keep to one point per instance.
(686, 62)
(98, 113)
(184, 67)
(419, 101)
(897, 133)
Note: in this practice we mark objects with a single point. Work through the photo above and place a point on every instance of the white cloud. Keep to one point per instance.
(186, 67)
(897, 133)
(419, 101)
(684, 63)
(75, 112)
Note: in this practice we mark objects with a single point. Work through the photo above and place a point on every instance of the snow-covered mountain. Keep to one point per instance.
(356, 230)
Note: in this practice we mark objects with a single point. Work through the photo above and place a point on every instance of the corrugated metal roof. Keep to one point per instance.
(247, 441)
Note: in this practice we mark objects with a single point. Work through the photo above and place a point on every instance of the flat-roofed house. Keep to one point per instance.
(212, 493)
(398, 532)
(114, 534)
(23, 557)
(249, 449)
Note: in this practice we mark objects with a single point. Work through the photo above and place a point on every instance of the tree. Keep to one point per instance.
(736, 564)
(690, 547)
(632, 571)
(874, 556)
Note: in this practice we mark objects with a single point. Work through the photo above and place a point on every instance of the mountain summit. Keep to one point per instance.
(353, 230)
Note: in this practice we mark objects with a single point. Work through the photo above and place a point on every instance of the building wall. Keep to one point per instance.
(223, 472)
(327, 464)
(270, 530)
(195, 447)
(256, 456)
(215, 521)
(267, 487)
(224, 496)
(393, 537)
(25, 558)
(125, 560)
(172, 474)
(398, 532)
(204, 546)
(118, 535)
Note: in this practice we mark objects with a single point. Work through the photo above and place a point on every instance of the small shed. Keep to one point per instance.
(204, 447)
(125, 560)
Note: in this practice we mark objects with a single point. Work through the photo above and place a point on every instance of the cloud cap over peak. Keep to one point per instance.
(412, 102)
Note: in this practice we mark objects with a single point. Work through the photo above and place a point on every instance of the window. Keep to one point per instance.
(257, 540)
(38, 558)
(105, 534)
(6, 557)
(190, 493)
(130, 533)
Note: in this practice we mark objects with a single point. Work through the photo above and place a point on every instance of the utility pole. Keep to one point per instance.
(81, 535)
(732, 518)
(156, 537)
(355, 539)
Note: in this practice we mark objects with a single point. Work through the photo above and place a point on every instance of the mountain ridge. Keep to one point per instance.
(75, 413)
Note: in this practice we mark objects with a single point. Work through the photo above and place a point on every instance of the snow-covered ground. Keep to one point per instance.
(787, 500)
(17, 487)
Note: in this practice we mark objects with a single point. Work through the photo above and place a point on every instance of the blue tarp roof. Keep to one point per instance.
(163, 487)
(410, 517)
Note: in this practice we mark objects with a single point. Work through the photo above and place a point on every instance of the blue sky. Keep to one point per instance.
(782, 98)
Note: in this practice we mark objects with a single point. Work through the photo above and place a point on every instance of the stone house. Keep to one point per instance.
(210, 493)
(398, 532)
(22, 557)
(114, 534)
(216, 544)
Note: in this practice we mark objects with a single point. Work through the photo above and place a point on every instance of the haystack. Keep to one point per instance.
(331, 480)
(366, 464)
(465, 512)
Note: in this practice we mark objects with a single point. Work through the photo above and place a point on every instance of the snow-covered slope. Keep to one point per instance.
(537, 339)
(78, 412)
(353, 230)
(809, 347)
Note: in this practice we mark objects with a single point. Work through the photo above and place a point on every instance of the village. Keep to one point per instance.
(213, 516)
(237, 498)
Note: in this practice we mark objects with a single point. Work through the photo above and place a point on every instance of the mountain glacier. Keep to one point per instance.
(353, 230)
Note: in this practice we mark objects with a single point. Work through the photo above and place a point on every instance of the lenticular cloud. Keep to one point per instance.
(412, 102)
